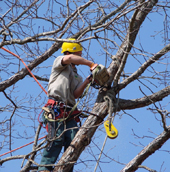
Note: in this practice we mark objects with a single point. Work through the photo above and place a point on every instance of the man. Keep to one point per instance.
(65, 85)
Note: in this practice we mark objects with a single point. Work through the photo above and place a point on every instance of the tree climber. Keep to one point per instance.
(65, 85)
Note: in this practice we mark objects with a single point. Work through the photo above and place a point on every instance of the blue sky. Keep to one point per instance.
(125, 147)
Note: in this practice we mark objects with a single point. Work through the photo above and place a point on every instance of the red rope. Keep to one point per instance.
(26, 67)
(21, 147)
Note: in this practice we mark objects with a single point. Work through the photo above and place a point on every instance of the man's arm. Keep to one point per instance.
(79, 91)
(77, 60)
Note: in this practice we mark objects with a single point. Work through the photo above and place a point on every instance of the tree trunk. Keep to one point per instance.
(86, 132)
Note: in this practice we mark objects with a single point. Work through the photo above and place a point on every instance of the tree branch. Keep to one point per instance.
(147, 151)
(21, 74)
(138, 18)
(141, 69)
(144, 101)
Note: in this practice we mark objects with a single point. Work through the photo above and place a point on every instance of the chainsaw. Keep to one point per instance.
(100, 75)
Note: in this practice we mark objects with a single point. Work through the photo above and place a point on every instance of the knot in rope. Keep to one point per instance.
(110, 99)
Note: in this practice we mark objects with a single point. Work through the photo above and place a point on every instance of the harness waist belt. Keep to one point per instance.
(64, 110)
(52, 102)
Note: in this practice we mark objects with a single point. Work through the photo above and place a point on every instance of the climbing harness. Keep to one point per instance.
(57, 111)
(63, 112)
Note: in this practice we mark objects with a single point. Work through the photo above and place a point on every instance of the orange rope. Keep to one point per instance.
(26, 67)
(21, 147)
(37, 83)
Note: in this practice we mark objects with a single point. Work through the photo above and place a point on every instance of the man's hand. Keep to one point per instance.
(90, 77)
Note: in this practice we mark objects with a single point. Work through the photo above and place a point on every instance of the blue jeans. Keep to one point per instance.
(50, 157)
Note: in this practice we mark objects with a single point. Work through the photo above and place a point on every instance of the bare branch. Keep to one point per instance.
(147, 151)
(150, 61)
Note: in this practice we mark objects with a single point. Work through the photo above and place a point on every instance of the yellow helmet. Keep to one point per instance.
(71, 47)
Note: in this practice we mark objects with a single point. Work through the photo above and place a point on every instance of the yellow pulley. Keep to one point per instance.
(112, 133)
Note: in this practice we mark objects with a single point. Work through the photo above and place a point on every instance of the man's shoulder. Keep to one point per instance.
(57, 61)
(59, 58)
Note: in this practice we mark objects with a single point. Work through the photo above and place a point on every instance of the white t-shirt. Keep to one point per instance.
(63, 81)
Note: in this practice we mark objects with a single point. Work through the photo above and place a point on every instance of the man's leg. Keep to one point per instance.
(50, 157)
(69, 135)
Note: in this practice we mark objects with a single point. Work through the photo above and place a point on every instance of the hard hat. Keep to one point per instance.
(71, 47)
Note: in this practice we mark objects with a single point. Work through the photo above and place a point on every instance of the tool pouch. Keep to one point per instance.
(50, 126)
(101, 76)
